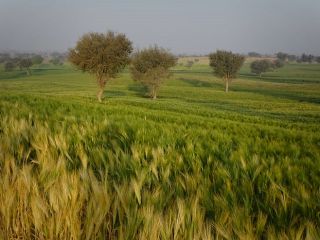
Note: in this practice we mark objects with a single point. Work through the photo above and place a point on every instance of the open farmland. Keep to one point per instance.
(197, 163)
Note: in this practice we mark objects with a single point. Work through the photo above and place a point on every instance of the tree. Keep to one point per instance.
(58, 58)
(103, 55)
(25, 63)
(226, 65)
(282, 56)
(151, 67)
(56, 61)
(189, 63)
(318, 59)
(16, 62)
(292, 58)
(9, 66)
(277, 64)
(254, 54)
(306, 58)
(310, 58)
(260, 66)
(4, 57)
(37, 59)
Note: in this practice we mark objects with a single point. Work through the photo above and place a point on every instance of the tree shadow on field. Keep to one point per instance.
(139, 90)
(113, 93)
(17, 74)
(276, 79)
(13, 75)
(191, 71)
(281, 94)
(198, 83)
(43, 71)
(316, 70)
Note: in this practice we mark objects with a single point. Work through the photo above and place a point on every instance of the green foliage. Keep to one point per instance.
(278, 63)
(151, 67)
(292, 58)
(9, 66)
(25, 63)
(282, 56)
(254, 54)
(305, 58)
(226, 65)
(103, 55)
(56, 61)
(37, 59)
(4, 57)
(261, 66)
(196, 164)
(190, 63)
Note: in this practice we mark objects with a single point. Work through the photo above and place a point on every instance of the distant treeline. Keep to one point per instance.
(286, 57)
(23, 61)
(106, 55)
(60, 57)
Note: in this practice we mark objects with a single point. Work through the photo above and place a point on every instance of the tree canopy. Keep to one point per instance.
(278, 63)
(306, 58)
(189, 63)
(261, 66)
(4, 57)
(9, 66)
(56, 61)
(226, 65)
(37, 59)
(25, 63)
(150, 66)
(282, 56)
(254, 54)
(103, 55)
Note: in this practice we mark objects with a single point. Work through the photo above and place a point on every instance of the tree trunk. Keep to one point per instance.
(153, 92)
(100, 94)
(227, 85)
(102, 84)
(154, 95)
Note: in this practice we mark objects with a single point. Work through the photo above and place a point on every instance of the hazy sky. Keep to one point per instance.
(184, 26)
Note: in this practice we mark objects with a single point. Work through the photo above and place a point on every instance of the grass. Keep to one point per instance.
(195, 164)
